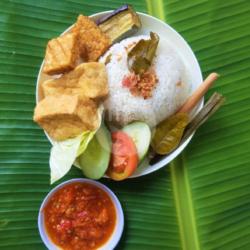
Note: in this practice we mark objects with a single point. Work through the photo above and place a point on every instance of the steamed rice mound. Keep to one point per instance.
(170, 93)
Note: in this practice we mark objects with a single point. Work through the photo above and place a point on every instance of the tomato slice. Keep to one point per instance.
(124, 157)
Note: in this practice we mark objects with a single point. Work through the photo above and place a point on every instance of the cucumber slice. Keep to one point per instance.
(95, 159)
(141, 135)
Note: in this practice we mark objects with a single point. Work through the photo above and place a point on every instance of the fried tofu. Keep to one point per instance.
(62, 54)
(70, 104)
(85, 40)
(87, 79)
(95, 80)
(91, 37)
(66, 116)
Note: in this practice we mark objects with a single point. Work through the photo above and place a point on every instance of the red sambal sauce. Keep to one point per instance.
(80, 216)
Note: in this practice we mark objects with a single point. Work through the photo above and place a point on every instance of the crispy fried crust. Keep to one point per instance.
(66, 116)
(91, 37)
(61, 54)
(70, 102)
(87, 79)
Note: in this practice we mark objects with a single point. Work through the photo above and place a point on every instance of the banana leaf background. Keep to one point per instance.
(202, 199)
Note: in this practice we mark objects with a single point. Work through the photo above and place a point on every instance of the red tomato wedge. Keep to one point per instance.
(124, 157)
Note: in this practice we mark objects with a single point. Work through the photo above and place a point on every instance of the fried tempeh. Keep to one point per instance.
(91, 37)
(61, 54)
(66, 116)
(87, 79)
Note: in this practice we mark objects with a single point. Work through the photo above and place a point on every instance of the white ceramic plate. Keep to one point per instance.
(150, 23)
(117, 233)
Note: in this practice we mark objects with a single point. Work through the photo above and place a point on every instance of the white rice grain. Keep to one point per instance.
(167, 97)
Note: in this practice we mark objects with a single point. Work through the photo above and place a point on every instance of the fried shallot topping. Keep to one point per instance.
(141, 84)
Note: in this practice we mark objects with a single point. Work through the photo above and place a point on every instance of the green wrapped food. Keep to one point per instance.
(142, 54)
(168, 133)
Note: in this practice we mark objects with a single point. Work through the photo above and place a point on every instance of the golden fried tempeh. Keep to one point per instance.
(91, 37)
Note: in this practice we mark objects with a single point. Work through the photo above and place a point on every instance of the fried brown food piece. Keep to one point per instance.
(91, 37)
(65, 116)
(87, 79)
(62, 54)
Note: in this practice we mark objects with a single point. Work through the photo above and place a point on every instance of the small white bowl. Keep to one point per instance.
(117, 233)
(150, 23)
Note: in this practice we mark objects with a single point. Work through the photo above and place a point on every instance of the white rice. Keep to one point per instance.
(168, 96)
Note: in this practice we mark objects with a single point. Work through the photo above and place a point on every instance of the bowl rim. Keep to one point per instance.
(119, 226)
(168, 158)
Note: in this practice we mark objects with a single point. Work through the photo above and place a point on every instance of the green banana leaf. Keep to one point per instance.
(202, 199)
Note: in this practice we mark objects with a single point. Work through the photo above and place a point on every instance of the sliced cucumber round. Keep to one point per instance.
(141, 135)
(95, 159)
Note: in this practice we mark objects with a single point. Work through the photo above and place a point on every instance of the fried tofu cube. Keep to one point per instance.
(57, 87)
(91, 37)
(62, 54)
(87, 79)
(94, 81)
(65, 116)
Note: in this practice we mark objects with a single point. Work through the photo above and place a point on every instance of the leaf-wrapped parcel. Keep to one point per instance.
(142, 54)
(168, 133)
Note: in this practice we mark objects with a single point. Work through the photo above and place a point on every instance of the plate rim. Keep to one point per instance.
(168, 158)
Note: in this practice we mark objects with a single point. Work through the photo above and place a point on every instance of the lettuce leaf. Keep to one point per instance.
(64, 153)
(87, 137)
(62, 156)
